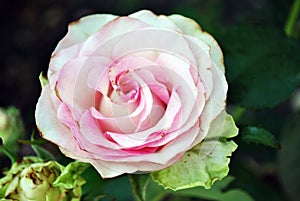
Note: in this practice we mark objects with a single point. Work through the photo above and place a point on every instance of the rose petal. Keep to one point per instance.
(109, 32)
(80, 30)
(154, 20)
(59, 59)
(190, 27)
(72, 82)
(51, 128)
(146, 39)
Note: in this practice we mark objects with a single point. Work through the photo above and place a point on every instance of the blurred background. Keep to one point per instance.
(262, 67)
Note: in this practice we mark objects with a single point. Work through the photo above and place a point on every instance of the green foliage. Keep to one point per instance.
(259, 136)
(94, 184)
(262, 65)
(218, 192)
(289, 158)
(145, 189)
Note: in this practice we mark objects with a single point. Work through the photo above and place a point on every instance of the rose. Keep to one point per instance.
(132, 94)
(35, 180)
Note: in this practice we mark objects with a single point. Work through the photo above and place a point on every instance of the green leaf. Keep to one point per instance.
(145, 189)
(40, 151)
(33, 142)
(205, 163)
(94, 184)
(217, 192)
(118, 188)
(259, 135)
(262, 65)
(289, 157)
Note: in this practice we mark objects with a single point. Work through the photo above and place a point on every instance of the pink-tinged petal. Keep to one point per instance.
(59, 59)
(126, 118)
(109, 169)
(119, 138)
(174, 148)
(80, 30)
(189, 96)
(154, 20)
(72, 82)
(128, 63)
(155, 115)
(190, 27)
(150, 39)
(51, 128)
(98, 79)
(109, 109)
(173, 107)
(93, 132)
(130, 140)
(122, 124)
(217, 100)
(65, 116)
(204, 62)
(100, 42)
(179, 67)
(156, 87)
(121, 117)
(179, 126)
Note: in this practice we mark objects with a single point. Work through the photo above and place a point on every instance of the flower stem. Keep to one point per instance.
(4, 150)
(292, 19)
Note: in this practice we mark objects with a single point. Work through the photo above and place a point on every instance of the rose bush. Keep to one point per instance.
(132, 94)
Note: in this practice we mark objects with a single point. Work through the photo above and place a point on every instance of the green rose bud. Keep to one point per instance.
(35, 180)
(11, 127)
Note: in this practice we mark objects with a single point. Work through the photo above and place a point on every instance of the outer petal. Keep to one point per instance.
(154, 20)
(110, 32)
(59, 59)
(190, 27)
(51, 128)
(217, 101)
(80, 30)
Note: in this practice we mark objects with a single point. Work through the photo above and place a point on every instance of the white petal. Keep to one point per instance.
(154, 20)
(80, 30)
(190, 27)
(100, 42)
